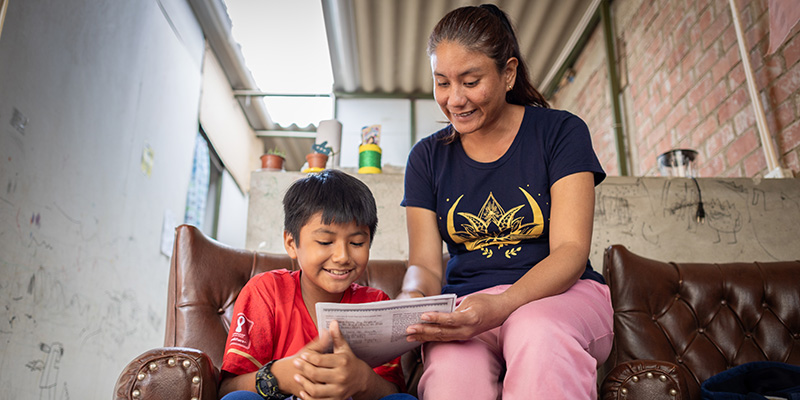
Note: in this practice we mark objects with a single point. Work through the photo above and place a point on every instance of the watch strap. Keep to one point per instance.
(267, 384)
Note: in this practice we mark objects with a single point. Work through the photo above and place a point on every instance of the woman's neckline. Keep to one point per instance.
(480, 150)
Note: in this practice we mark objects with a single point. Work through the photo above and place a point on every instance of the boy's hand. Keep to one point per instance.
(336, 375)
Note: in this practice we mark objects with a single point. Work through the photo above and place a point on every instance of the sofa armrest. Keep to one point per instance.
(412, 369)
(644, 380)
(168, 373)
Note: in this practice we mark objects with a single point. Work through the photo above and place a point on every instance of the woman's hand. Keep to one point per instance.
(476, 314)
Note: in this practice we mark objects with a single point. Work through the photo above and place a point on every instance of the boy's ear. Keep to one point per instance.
(290, 244)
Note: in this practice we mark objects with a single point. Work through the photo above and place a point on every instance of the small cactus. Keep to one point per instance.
(322, 148)
(276, 151)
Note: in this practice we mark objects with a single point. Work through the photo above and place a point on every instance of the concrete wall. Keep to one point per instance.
(683, 86)
(746, 220)
(82, 279)
(265, 212)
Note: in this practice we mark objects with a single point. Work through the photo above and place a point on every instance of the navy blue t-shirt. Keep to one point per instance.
(494, 216)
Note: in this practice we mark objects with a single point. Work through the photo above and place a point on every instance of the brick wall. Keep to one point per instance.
(683, 86)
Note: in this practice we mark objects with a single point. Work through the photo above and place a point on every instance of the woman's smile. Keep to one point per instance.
(464, 114)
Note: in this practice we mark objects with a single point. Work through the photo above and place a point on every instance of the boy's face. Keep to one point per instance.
(330, 256)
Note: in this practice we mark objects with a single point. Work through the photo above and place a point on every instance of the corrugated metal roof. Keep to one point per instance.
(378, 46)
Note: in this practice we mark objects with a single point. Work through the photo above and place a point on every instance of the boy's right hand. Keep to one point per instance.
(324, 375)
(287, 371)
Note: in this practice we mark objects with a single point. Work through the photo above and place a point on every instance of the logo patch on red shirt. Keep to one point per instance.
(241, 331)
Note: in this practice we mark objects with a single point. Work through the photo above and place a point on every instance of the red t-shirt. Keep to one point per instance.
(270, 322)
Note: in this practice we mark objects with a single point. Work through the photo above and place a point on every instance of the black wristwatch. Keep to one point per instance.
(267, 384)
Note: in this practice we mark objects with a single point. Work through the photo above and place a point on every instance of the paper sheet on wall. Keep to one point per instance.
(168, 233)
(783, 16)
(376, 332)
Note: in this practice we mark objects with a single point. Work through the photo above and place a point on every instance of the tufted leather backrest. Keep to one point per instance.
(703, 317)
(206, 277)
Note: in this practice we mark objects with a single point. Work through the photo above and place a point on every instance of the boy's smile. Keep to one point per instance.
(331, 256)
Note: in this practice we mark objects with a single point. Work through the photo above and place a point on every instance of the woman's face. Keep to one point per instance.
(469, 89)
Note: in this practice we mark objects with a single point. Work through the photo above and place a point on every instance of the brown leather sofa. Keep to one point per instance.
(676, 325)
(205, 279)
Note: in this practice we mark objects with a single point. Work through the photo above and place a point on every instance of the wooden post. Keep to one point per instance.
(3, 9)
(773, 162)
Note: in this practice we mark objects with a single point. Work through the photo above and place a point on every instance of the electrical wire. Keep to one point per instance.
(700, 215)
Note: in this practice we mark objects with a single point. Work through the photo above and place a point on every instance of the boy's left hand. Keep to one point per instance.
(338, 375)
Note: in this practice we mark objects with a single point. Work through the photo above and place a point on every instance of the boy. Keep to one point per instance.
(273, 348)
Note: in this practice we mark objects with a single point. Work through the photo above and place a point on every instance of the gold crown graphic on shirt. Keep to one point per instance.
(510, 228)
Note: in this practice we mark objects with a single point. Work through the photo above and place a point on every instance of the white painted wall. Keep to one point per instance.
(429, 118)
(226, 126)
(232, 225)
(82, 280)
(394, 116)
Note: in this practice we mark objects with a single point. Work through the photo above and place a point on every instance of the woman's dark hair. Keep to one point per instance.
(340, 197)
(486, 29)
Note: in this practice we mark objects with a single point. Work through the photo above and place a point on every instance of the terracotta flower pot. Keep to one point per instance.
(316, 161)
(272, 162)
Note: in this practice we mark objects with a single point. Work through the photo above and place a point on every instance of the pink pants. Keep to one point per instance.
(546, 349)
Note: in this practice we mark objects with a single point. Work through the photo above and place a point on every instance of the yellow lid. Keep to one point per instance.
(312, 170)
(369, 170)
(369, 147)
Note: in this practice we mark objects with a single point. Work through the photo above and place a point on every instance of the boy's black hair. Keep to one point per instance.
(340, 197)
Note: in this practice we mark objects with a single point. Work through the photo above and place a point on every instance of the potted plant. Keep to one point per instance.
(318, 156)
(273, 160)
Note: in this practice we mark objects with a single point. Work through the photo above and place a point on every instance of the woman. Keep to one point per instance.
(509, 186)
